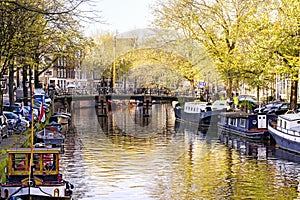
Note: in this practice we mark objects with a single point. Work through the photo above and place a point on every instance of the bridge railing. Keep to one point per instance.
(106, 90)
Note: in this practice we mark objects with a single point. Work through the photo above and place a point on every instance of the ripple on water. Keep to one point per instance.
(105, 161)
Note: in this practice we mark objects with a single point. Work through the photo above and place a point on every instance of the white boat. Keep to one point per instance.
(286, 131)
(197, 112)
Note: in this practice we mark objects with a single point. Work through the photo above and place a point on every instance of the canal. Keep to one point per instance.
(128, 156)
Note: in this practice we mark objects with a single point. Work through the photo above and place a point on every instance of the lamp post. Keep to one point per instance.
(114, 63)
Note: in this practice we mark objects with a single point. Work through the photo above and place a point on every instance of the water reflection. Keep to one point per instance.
(126, 156)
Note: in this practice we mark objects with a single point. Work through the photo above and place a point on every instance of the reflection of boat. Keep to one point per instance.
(196, 112)
(49, 135)
(247, 125)
(208, 134)
(44, 180)
(286, 131)
(253, 148)
(287, 155)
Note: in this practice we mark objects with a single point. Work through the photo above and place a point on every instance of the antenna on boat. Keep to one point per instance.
(31, 135)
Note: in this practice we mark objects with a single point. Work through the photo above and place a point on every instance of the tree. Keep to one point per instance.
(215, 24)
(32, 29)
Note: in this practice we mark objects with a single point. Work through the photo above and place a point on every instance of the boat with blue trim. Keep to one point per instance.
(248, 125)
(286, 131)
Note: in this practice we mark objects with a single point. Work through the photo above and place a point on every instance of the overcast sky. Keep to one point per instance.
(122, 15)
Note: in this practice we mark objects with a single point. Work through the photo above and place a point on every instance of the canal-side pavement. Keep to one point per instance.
(12, 141)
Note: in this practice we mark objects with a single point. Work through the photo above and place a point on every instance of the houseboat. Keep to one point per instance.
(36, 179)
(196, 112)
(286, 131)
(248, 125)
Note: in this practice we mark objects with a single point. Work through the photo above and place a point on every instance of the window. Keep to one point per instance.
(243, 123)
(36, 162)
(19, 162)
(49, 162)
(235, 122)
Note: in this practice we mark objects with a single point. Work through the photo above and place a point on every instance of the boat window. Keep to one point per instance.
(235, 122)
(298, 122)
(280, 123)
(19, 162)
(284, 124)
(243, 123)
(36, 162)
(230, 121)
(49, 161)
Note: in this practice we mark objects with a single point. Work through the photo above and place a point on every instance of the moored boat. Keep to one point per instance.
(249, 125)
(51, 136)
(286, 131)
(38, 178)
(197, 112)
(63, 119)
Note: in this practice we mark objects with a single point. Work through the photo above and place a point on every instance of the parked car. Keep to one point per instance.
(272, 106)
(13, 121)
(279, 108)
(13, 108)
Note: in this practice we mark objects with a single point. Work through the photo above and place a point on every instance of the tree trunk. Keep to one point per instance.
(1, 101)
(294, 93)
(25, 89)
(11, 84)
(229, 88)
(257, 93)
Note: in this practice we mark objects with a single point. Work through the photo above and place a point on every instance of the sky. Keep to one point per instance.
(122, 15)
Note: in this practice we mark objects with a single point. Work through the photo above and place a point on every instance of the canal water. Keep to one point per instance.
(128, 156)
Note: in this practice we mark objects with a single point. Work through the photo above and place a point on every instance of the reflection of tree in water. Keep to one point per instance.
(130, 126)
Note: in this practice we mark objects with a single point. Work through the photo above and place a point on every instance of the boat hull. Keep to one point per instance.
(42, 192)
(255, 135)
(208, 118)
(251, 126)
(290, 142)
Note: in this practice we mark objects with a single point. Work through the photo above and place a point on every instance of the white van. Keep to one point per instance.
(220, 105)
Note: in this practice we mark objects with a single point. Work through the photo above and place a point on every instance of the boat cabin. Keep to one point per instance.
(288, 121)
(245, 121)
(196, 107)
(45, 165)
(43, 181)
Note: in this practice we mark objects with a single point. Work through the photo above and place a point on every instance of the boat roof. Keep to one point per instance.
(196, 103)
(35, 150)
(290, 116)
(236, 114)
